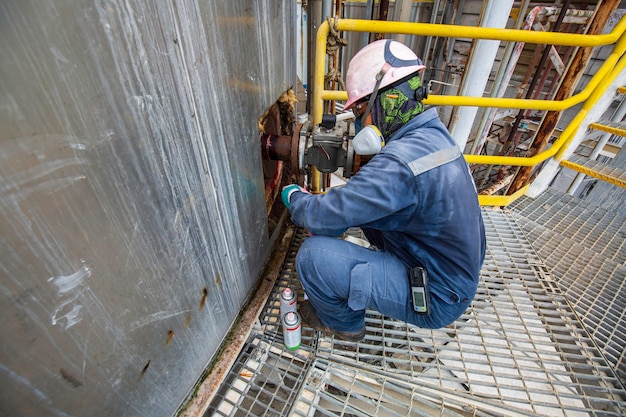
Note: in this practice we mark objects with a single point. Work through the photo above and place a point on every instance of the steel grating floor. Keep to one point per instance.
(519, 350)
(583, 245)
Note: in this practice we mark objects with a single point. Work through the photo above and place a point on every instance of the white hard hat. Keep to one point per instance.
(368, 63)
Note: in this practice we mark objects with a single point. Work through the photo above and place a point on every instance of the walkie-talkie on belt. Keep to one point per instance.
(419, 290)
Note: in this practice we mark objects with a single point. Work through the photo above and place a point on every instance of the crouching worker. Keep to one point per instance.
(415, 201)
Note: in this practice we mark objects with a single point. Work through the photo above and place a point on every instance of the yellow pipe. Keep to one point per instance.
(619, 131)
(336, 95)
(316, 181)
(505, 103)
(429, 29)
(561, 144)
(318, 74)
(595, 96)
(594, 173)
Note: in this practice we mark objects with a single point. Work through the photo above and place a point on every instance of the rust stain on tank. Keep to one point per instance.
(145, 368)
(205, 293)
(70, 378)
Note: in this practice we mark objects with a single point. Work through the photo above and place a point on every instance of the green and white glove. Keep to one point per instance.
(288, 190)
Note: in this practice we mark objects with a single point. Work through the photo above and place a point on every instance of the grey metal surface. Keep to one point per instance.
(519, 350)
(605, 194)
(584, 247)
(597, 228)
(132, 205)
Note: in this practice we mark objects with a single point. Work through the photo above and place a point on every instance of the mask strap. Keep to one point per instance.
(379, 79)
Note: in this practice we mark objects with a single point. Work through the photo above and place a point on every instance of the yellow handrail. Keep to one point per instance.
(473, 32)
(560, 145)
(605, 75)
(501, 200)
(574, 124)
(429, 29)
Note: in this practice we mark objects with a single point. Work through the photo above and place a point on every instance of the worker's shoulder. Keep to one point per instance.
(421, 148)
(419, 142)
(408, 148)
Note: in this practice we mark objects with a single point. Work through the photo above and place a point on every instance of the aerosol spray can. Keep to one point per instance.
(292, 331)
(288, 301)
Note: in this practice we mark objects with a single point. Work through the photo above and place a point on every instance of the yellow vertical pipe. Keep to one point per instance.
(318, 101)
(318, 79)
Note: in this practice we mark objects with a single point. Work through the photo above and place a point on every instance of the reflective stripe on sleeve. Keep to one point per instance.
(434, 160)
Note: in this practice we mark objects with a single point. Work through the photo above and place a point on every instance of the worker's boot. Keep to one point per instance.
(310, 318)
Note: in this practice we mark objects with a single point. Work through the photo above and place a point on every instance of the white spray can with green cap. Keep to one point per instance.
(292, 330)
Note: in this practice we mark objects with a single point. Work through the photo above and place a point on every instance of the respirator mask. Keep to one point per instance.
(367, 140)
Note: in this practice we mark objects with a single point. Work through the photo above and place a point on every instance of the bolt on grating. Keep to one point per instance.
(520, 349)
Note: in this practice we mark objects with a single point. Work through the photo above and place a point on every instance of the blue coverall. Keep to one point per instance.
(417, 203)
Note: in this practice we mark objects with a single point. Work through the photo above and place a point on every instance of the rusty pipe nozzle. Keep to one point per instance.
(276, 147)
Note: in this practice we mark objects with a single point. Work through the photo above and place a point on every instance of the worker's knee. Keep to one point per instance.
(313, 259)
(317, 251)
(325, 264)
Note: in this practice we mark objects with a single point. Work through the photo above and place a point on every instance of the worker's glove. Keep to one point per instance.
(288, 190)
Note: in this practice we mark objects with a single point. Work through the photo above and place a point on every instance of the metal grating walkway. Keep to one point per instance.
(520, 350)
(599, 229)
(604, 172)
(584, 247)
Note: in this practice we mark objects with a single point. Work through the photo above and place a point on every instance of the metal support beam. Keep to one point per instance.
(495, 15)
(590, 114)
(569, 81)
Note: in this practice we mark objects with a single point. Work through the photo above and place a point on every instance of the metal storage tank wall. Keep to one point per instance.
(133, 224)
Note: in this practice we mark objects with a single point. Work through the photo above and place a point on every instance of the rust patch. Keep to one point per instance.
(70, 378)
(145, 368)
(170, 336)
(205, 293)
(277, 120)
